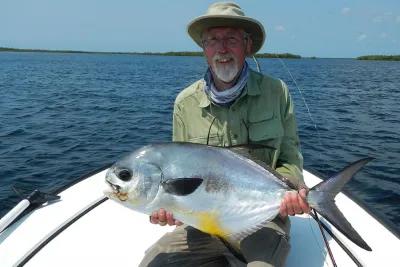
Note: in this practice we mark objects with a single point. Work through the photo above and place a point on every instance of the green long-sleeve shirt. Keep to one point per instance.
(263, 114)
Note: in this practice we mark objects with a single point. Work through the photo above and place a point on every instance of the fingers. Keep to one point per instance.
(163, 217)
(291, 203)
(294, 203)
(170, 219)
(158, 217)
(302, 199)
(283, 210)
(154, 217)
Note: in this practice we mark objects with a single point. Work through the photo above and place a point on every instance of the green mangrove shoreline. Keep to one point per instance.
(380, 57)
(196, 54)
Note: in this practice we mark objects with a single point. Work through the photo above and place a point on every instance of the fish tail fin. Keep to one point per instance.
(321, 198)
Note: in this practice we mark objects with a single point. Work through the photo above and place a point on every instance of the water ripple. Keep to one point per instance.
(64, 115)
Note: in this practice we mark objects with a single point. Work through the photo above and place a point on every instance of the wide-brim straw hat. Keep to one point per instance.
(225, 14)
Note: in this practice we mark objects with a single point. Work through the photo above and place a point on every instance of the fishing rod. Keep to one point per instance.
(36, 198)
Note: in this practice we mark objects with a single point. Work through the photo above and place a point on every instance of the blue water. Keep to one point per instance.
(64, 115)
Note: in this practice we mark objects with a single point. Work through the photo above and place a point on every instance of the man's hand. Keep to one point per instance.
(294, 203)
(163, 218)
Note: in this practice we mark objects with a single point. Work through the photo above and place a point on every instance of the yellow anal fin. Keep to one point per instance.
(210, 223)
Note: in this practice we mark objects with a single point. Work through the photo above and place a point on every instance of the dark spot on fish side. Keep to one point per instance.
(214, 184)
(125, 175)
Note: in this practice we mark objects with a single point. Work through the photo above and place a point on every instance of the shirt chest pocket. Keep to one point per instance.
(265, 128)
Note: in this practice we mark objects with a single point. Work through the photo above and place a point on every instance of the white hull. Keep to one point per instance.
(112, 235)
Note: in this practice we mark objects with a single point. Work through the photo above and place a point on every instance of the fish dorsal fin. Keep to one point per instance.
(244, 150)
(181, 186)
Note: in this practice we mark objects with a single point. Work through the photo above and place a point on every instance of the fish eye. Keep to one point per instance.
(124, 175)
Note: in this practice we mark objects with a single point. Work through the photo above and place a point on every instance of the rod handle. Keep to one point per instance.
(13, 214)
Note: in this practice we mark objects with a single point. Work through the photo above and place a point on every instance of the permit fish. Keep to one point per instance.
(220, 191)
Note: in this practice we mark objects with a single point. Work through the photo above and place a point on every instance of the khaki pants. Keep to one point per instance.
(187, 246)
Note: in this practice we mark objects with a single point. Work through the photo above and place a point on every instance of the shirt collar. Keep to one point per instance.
(253, 84)
(203, 99)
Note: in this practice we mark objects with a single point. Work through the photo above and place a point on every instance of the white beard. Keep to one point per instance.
(226, 72)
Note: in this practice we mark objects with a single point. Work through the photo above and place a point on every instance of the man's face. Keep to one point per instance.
(226, 49)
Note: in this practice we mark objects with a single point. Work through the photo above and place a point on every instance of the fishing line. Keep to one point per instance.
(305, 105)
(319, 155)
(257, 65)
(325, 240)
(322, 250)
(209, 130)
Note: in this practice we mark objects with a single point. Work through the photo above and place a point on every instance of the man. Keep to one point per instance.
(234, 105)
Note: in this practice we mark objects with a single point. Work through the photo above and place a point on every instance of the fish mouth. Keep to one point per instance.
(116, 192)
(122, 196)
(115, 188)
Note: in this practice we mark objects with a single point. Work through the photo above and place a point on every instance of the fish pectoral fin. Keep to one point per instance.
(181, 186)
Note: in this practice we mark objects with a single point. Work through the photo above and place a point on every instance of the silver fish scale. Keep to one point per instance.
(233, 185)
(221, 168)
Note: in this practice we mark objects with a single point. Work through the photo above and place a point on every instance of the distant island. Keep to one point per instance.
(184, 53)
(284, 55)
(7, 49)
(380, 57)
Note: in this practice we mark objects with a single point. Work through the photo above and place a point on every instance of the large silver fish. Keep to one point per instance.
(217, 190)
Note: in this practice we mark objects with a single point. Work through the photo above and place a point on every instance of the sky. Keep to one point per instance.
(321, 28)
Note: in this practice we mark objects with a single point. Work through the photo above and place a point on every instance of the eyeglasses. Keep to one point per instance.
(229, 41)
